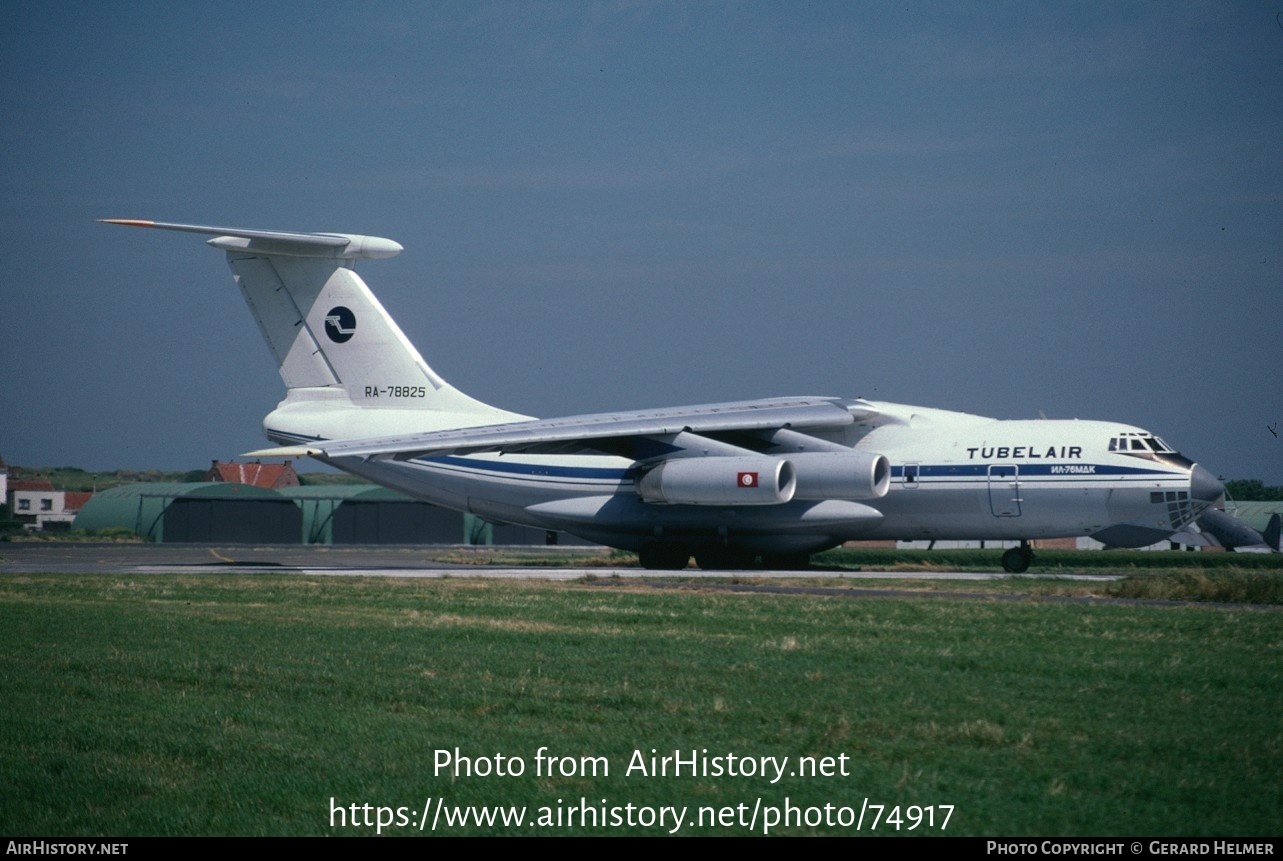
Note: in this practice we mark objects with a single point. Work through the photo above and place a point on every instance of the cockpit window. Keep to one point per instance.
(1140, 442)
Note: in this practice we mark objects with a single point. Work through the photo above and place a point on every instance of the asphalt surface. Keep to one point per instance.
(366, 561)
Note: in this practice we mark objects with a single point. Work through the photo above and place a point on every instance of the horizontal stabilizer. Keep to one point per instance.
(347, 246)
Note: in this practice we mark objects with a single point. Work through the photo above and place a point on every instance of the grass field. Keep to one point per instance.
(259, 705)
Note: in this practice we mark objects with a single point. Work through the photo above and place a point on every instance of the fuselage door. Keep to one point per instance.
(1004, 489)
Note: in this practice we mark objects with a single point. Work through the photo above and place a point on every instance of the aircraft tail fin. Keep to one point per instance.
(335, 345)
(1271, 533)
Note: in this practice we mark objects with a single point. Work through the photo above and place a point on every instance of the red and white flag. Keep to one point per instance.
(747, 479)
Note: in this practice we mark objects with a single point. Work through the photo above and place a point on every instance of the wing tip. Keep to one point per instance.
(128, 222)
(287, 451)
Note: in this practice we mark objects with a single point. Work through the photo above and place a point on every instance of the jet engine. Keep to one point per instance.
(841, 475)
(720, 481)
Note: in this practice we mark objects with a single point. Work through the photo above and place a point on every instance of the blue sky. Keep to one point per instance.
(1001, 208)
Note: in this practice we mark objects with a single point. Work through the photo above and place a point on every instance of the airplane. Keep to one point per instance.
(777, 479)
(1217, 528)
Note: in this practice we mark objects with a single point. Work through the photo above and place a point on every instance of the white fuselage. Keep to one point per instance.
(953, 476)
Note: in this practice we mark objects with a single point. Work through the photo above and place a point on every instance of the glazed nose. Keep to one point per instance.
(1204, 486)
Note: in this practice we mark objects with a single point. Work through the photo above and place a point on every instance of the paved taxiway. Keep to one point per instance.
(366, 561)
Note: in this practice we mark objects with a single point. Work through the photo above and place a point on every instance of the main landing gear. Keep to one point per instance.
(671, 556)
(1016, 560)
(723, 558)
(660, 556)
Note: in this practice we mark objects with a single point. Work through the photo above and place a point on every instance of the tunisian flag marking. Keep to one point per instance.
(747, 479)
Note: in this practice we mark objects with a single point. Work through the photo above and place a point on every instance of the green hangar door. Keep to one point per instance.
(236, 521)
(392, 522)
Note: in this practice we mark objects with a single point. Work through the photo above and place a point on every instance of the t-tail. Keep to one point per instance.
(349, 370)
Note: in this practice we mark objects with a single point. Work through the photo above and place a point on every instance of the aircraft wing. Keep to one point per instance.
(601, 432)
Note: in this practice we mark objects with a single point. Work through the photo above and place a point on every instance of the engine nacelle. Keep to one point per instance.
(718, 480)
(841, 475)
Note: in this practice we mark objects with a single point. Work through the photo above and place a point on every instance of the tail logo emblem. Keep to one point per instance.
(340, 324)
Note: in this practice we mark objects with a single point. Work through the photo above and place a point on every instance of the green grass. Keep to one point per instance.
(517, 556)
(242, 705)
(1232, 578)
(1045, 561)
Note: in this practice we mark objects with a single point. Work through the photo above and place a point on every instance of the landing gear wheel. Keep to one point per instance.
(1017, 559)
(787, 562)
(663, 557)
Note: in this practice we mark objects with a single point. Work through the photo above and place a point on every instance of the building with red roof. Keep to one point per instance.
(272, 476)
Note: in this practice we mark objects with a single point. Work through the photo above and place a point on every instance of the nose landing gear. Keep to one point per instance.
(1016, 560)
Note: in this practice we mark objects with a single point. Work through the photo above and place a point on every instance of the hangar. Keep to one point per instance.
(205, 511)
(366, 514)
(233, 513)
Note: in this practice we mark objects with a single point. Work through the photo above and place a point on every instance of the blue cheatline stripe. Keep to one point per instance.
(508, 467)
(1027, 470)
(534, 469)
(511, 467)
(936, 471)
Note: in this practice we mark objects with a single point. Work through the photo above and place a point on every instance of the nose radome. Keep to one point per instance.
(1204, 486)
